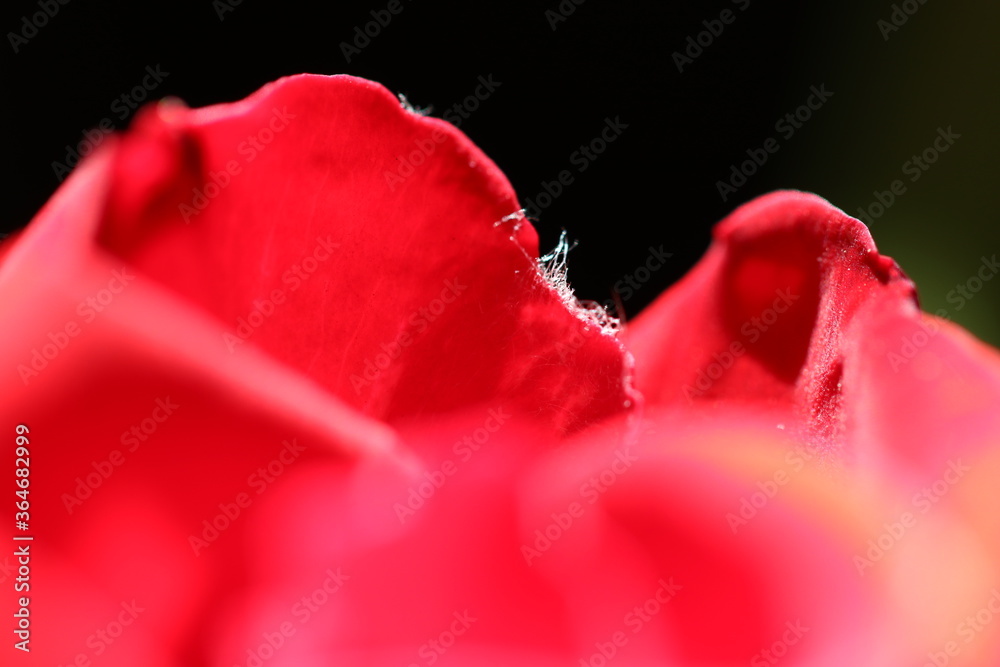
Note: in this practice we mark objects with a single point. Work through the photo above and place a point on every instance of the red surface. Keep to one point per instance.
(754, 477)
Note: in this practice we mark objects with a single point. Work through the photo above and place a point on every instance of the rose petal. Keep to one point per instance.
(552, 556)
(923, 392)
(447, 546)
(142, 427)
(761, 320)
(374, 250)
(99, 343)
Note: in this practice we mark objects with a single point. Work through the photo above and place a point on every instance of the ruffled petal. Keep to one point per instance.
(376, 251)
(762, 320)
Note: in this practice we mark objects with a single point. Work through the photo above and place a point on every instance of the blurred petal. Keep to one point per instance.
(922, 391)
(142, 427)
(657, 542)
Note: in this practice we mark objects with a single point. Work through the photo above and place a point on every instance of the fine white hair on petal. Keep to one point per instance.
(417, 111)
(554, 267)
(518, 215)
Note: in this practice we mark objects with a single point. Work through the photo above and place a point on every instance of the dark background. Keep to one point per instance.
(656, 185)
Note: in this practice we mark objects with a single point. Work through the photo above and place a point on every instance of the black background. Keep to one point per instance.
(656, 185)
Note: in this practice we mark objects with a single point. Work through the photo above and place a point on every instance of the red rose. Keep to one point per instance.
(294, 389)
